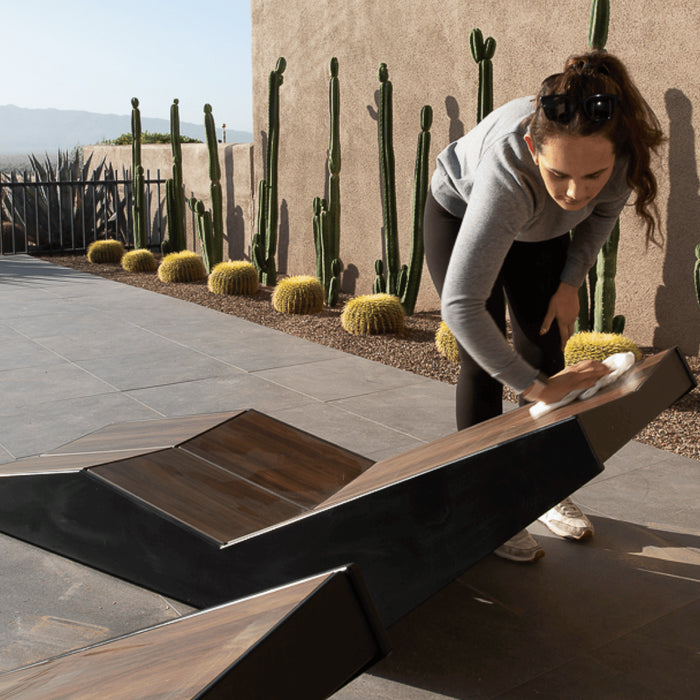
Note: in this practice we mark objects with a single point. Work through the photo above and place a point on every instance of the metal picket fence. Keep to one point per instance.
(65, 216)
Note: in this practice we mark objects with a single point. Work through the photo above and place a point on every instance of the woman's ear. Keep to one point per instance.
(531, 147)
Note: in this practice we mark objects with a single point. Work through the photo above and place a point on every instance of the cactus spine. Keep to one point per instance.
(482, 52)
(597, 299)
(174, 194)
(421, 183)
(215, 246)
(139, 184)
(401, 281)
(327, 215)
(264, 244)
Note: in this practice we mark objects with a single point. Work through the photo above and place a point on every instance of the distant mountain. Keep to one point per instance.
(38, 130)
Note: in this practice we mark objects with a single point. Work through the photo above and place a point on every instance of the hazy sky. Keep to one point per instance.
(95, 55)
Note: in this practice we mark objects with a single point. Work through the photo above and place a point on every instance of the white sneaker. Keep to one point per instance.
(566, 520)
(522, 547)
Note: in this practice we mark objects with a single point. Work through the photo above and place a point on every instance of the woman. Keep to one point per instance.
(501, 204)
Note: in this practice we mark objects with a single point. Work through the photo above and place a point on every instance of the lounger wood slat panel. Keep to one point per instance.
(297, 466)
(202, 496)
(306, 639)
(153, 434)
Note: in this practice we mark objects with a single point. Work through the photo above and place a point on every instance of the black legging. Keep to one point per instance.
(529, 277)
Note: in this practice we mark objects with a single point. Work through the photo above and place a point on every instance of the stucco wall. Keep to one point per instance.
(236, 162)
(426, 48)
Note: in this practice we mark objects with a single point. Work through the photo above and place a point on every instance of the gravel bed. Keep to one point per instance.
(677, 429)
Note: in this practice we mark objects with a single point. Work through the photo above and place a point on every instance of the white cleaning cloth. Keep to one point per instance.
(618, 364)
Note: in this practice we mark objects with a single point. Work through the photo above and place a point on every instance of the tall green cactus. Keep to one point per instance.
(264, 245)
(139, 184)
(598, 23)
(597, 298)
(401, 281)
(696, 273)
(482, 52)
(204, 227)
(327, 214)
(388, 179)
(421, 182)
(216, 251)
(174, 193)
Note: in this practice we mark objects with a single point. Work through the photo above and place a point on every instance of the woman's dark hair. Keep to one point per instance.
(634, 130)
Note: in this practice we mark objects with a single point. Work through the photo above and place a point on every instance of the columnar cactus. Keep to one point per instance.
(604, 319)
(482, 52)
(598, 24)
(327, 215)
(174, 193)
(215, 247)
(401, 281)
(139, 184)
(388, 179)
(696, 272)
(597, 298)
(421, 182)
(264, 245)
(204, 227)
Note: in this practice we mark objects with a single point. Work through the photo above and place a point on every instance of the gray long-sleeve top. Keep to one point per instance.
(489, 178)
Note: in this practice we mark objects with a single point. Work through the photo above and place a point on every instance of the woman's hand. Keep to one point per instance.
(581, 376)
(563, 307)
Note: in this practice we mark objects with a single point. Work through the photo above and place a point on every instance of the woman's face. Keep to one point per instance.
(574, 168)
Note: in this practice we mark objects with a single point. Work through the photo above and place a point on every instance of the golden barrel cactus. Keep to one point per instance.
(597, 346)
(446, 343)
(373, 314)
(140, 260)
(236, 277)
(302, 294)
(184, 266)
(107, 251)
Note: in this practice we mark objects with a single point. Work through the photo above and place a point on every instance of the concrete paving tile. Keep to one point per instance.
(634, 455)
(239, 391)
(353, 432)
(56, 320)
(254, 351)
(177, 366)
(426, 410)
(341, 377)
(72, 605)
(19, 352)
(49, 425)
(664, 493)
(87, 344)
(26, 388)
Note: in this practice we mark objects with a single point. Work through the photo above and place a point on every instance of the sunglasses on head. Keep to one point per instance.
(596, 108)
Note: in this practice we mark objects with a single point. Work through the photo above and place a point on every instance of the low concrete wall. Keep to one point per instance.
(236, 162)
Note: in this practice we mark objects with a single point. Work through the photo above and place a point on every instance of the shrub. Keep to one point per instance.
(237, 277)
(298, 295)
(597, 346)
(184, 266)
(446, 343)
(373, 314)
(107, 251)
(141, 260)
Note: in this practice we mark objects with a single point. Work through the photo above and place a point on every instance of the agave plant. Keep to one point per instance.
(63, 206)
